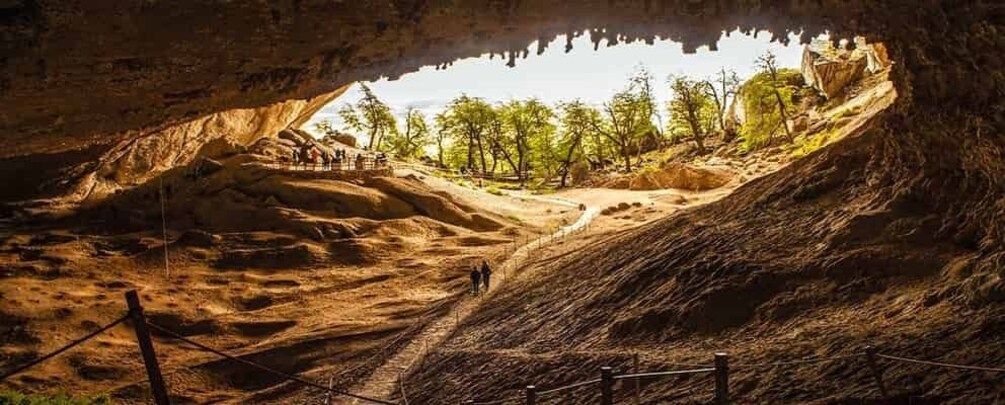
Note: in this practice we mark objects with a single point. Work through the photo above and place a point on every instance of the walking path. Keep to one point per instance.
(384, 381)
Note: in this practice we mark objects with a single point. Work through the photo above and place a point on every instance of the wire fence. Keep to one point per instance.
(158, 388)
(533, 395)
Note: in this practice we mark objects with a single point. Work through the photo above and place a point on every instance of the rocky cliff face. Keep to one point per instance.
(134, 161)
(140, 157)
(829, 70)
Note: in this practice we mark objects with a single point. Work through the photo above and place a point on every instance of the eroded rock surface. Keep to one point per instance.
(829, 70)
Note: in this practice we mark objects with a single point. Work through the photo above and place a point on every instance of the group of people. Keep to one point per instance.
(480, 278)
(308, 155)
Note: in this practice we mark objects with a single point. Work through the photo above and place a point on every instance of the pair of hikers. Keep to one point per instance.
(480, 278)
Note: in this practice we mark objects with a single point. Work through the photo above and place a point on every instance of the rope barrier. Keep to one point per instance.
(938, 364)
(798, 362)
(59, 351)
(569, 387)
(498, 401)
(287, 376)
(664, 373)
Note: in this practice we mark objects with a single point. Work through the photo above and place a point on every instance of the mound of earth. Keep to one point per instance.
(241, 194)
(674, 175)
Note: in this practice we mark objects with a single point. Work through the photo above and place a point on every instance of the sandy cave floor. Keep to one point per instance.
(320, 321)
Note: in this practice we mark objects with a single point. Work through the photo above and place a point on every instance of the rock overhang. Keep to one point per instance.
(83, 73)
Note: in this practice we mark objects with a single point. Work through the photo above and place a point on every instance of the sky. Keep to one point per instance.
(591, 76)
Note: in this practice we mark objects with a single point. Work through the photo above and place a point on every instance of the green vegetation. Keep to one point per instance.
(370, 115)
(16, 398)
(763, 118)
(495, 191)
(525, 139)
(805, 145)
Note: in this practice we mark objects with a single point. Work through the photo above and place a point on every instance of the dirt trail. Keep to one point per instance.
(384, 381)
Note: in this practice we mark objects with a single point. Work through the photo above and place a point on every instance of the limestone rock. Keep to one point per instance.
(133, 162)
(219, 148)
(830, 70)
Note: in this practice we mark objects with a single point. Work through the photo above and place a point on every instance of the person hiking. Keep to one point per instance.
(486, 274)
(305, 156)
(475, 281)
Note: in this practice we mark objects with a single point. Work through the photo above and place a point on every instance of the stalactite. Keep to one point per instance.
(542, 43)
(595, 36)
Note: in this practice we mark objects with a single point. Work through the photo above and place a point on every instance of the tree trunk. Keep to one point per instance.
(471, 152)
(784, 115)
(481, 154)
(628, 158)
(439, 152)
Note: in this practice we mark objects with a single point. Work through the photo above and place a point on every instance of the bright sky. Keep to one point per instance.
(592, 76)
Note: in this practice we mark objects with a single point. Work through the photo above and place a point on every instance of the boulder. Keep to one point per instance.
(829, 70)
(293, 136)
(681, 176)
(219, 148)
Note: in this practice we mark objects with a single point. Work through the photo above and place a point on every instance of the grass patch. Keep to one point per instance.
(495, 191)
(805, 145)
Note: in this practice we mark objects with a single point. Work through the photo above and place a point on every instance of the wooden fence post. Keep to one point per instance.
(635, 369)
(606, 386)
(877, 373)
(531, 395)
(147, 348)
(721, 379)
(328, 394)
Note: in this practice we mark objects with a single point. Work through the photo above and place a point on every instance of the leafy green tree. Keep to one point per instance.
(325, 127)
(693, 107)
(768, 64)
(467, 120)
(414, 138)
(624, 123)
(370, 115)
(526, 123)
(442, 136)
(577, 128)
(763, 118)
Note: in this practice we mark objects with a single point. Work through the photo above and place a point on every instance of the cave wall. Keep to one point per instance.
(77, 73)
(136, 160)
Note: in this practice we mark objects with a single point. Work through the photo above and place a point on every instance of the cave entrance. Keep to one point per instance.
(623, 115)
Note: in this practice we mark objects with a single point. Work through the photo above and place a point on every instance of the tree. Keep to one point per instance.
(722, 89)
(370, 115)
(442, 135)
(576, 120)
(413, 138)
(642, 81)
(468, 119)
(524, 122)
(624, 122)
(692, 106)
(325, 127)
(769, 64)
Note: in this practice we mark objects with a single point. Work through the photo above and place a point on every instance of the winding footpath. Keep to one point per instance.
(384, 381)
